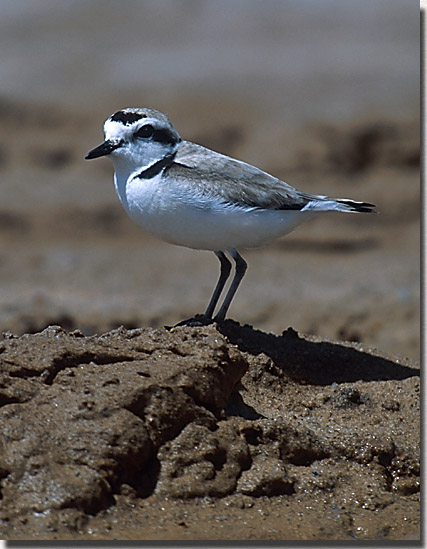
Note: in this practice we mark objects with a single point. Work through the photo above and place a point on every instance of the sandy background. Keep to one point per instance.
(326, 98)
(324, 95)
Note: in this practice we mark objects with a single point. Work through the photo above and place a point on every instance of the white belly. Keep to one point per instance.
(203, 223)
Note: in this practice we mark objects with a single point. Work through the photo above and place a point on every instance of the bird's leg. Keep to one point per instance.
(241, 267)
(223, 276)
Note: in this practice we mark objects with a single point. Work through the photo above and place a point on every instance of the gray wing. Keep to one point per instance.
(217, 175)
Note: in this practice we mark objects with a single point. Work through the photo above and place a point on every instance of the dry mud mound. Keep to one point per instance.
(212, 432)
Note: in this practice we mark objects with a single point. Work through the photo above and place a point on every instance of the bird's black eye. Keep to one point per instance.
(145, 132)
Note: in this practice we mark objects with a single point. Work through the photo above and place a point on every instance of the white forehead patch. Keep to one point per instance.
(116, 130)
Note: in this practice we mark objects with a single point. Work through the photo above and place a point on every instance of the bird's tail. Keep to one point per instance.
(326, 204)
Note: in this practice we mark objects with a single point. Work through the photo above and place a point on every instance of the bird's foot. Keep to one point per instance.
(198, 320)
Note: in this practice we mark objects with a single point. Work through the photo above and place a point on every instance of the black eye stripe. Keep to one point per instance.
(164, 136)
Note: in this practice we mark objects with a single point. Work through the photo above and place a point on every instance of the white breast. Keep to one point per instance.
(195, 221)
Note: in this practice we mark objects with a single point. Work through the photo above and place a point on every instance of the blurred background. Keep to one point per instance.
(324, 95)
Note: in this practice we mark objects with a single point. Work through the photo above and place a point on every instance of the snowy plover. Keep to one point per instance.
(191, 196)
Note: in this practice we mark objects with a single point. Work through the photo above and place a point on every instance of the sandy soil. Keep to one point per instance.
(155, 434)
(305, 426)
(215, 432)
(317, 440)
(70, 256)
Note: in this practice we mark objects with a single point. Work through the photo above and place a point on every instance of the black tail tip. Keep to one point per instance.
(365, 207)
(362, 207)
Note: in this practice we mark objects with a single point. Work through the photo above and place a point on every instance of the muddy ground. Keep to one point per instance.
(299, 418)
(219, 432)
(216, 432)
(70, 256)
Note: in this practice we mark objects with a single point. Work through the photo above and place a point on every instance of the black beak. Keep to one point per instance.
(102, 150)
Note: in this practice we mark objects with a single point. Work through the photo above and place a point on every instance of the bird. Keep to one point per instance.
(188, 195)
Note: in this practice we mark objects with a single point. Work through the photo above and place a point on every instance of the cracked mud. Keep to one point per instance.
(157, 433)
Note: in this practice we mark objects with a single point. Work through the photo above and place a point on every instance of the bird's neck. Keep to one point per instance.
(120, 180)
